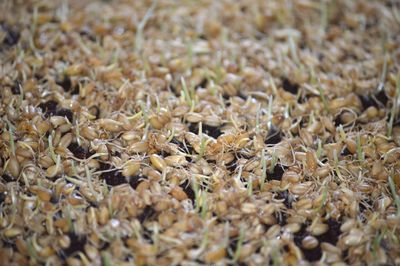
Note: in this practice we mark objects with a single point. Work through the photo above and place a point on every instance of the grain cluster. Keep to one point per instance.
(199, 132)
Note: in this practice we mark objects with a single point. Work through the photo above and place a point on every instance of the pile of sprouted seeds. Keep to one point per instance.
(199, 132)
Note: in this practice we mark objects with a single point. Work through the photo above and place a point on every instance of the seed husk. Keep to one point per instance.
(12, 232)
(309, 242)
(178, 193)
(158, 162)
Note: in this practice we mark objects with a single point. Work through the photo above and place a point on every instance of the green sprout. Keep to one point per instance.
(324, 197)
(394, 111)
(264, 169)
(323, 98)
(142, 24)
(293, 50)
(335, 158)
(269, 124)
(384, 71)
(11, 133)
(273, 86)
(239, 245)
(190, 55)
(31, 251)
(324, 15)
(377, 242)
(342, 133)
(360, 154)
(89, 181)
(274, 160)
(258, 119)
(203, 142)
(185, 92)
(51, 148)
(197, 192)
(144, 112)
(319, 149)
(250, 187)
(106, 258)
(395, 196)
(204, 206)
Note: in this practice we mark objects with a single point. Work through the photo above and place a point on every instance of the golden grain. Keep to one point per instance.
(158, 162)
(178, 193)
(309, 242)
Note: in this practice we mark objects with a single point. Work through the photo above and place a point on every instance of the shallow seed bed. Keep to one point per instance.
(199, 132)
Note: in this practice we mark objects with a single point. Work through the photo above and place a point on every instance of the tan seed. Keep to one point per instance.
(155, 122)
(43, 193)
(91, 252)
(292, 227)
(21, 246)
(309, 242)
(158, 162)
(193, 117)
(273, 231)
(13, 166)
(64, 241)
(103, 215)
(88, 132)
(54, 170)
(176, 160)
(349, 224)
(12, 232)
(110, 125)
(311, 160)
(66, 140)
(130, 169)
(57, 121)
(46, 252)
(318, 229)
(178, 193)
(214, 255)
(138, 147)
(354, 238)
(351, 146)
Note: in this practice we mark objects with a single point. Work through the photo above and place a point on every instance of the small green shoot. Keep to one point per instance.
(394, 110)
(269, 124)
(274, 160)
(11, 132)
(204, 206)
(335, 158)
(144, 112)
(106, 258)
(324, 16)
(258, 119)
(293, 50)
(319, 149)
(342, 133)
(239, 245)
(140, 28)
(203, 142)
(394, 193)
(185, 92)
(51, 148)
(264, 169)
(273, 86)
(323, 98)
(360, 153)
(324, 197)
(376, 243)
(197, 193)
(250, 187)
(384, 71)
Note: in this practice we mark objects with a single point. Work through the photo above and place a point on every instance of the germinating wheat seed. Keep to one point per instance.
(203, 132)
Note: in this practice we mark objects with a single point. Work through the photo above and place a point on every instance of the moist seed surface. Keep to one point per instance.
(199, 132)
